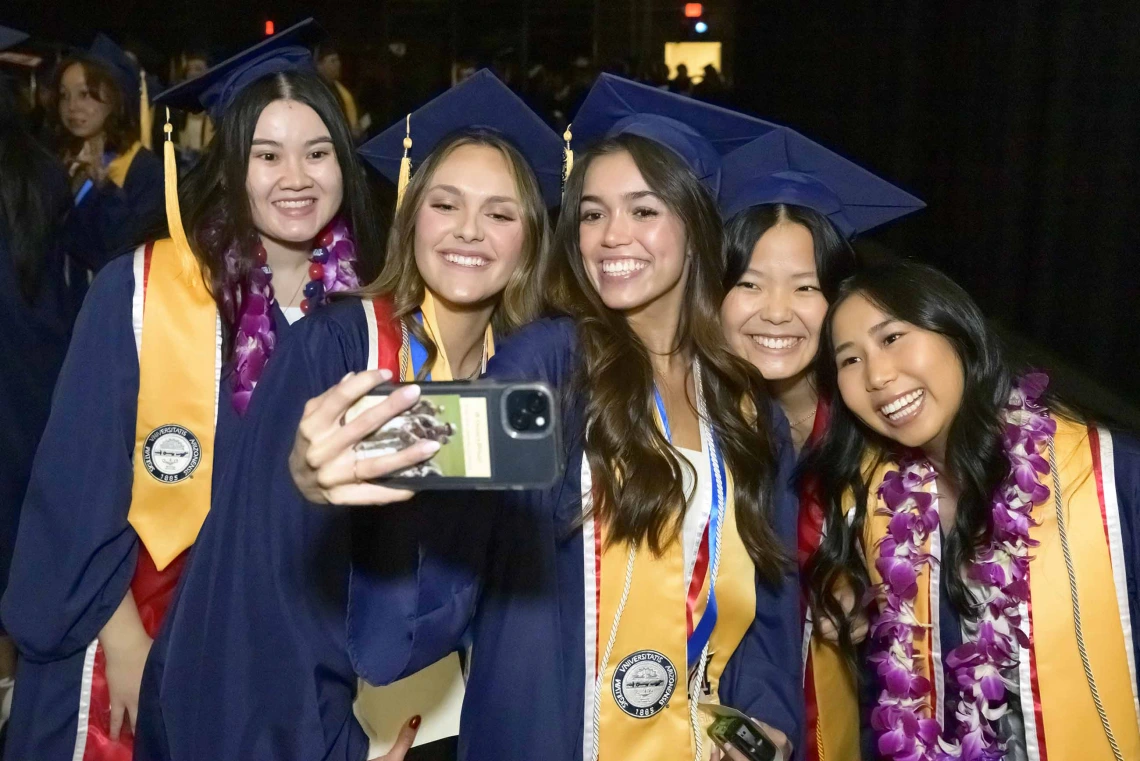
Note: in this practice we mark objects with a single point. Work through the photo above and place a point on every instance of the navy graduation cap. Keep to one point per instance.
(783, 166)
(215, 90)
(479, 102)
(11, 37)
(700, 133)
(125, 71)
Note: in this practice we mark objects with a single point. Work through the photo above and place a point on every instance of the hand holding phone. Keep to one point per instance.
(490, 435)
(323, 462)
(739, 737)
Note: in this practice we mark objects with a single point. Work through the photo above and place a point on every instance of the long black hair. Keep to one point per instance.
(215, 205)
(617, 374)
(844, 460)
(33, 196)
(834, 258)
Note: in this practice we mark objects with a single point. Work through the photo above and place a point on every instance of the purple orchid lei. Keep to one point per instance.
(902, 719)
(255, 336)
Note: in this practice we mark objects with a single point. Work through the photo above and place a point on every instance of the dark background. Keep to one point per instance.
(1016, 120)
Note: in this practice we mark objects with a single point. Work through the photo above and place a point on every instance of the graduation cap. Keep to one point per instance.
(215, 90)
(479, 102)
(125, 71)
(700, 133)
(786, 167)
(10, 38)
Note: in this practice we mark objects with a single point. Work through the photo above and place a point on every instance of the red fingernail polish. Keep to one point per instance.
(415, 722)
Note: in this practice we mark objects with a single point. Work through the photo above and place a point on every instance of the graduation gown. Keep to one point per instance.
(119, 214)
(76, 554)
(1051, 705)
(262, 650)
(506, 570)
(33, 339)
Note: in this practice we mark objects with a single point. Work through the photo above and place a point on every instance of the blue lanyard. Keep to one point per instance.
(417, 351)
(704, 628)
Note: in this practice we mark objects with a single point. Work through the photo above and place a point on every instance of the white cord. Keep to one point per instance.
(1077, 607)
(609, 649)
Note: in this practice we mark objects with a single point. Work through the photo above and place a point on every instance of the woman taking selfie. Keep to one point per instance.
(167, 350)
(265, 595)
(995, 530)
(602, 610)
(792, 206)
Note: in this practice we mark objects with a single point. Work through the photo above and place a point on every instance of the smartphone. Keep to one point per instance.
(494, 435)
(731, 728)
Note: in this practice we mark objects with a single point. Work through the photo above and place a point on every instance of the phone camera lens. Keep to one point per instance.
(520, 421)
(536, 404)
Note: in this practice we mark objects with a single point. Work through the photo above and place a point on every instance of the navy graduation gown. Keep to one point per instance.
(254, 661)
(33, 340)
(110, 219)
(506, 572)
(75, 553)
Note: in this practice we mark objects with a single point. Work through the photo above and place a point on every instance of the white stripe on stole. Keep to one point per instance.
(138, 295)
(590, 595)
(1116, 552)
(84, 722)
(1025, 687)
(939, 675)
(373, 334)
(805, 649)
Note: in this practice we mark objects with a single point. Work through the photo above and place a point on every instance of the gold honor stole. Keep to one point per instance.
(830, 689)
(179, 342)
(830, 693)
(1061, 720)
(436, 692)
(120, 165)
(648, 668)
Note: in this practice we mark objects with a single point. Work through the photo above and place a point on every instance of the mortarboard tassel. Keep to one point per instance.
(146, 115)
(189, 264)
(567, 157)
(405, 165)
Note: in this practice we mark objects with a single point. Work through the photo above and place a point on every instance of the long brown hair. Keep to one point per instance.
(401, 279)
(637, 477)
(121, 129)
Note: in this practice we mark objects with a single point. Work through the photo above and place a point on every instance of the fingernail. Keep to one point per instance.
(415, 722)
(386, 375)
(431, 447)
(409, 393)
(346, 377)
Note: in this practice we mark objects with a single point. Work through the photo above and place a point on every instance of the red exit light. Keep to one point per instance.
(269, 29)
(694, 10)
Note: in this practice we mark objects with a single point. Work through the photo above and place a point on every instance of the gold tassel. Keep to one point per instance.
(188, 262)
(405, 165)
(146, 115)
(567, 158)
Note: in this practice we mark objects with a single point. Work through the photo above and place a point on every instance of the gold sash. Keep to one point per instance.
(121, 164)
(1061, 720)
(179, 347)
(441, 368)
(651, 641)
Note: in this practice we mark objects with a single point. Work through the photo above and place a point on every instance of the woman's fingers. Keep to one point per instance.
(403, 741)
(328, 408)
(345, 437)
(351, 467)
(118, 710)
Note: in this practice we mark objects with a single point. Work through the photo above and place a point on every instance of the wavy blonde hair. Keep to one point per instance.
(400, 279)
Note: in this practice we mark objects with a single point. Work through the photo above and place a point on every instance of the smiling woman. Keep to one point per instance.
(165, 355)
(993, 530)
